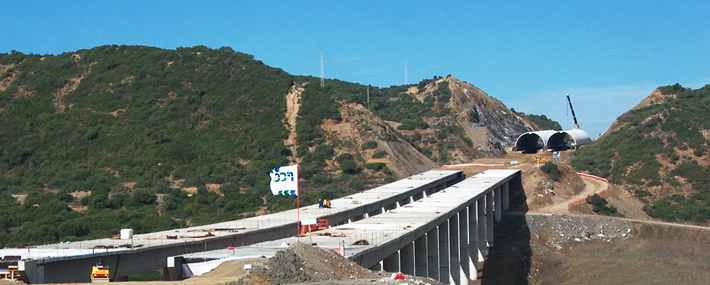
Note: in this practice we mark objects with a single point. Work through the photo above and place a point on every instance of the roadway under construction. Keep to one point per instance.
(432, 224)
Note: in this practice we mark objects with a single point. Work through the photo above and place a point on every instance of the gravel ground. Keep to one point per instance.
(304, 264)
(557, 230)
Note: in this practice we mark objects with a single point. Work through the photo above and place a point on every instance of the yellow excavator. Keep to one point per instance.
(538, 159)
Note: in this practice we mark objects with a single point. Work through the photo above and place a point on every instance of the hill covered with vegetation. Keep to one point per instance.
(92, 138)
(542, 121)
(659, 152)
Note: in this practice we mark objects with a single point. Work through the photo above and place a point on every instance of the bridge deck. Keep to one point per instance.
(390, 231)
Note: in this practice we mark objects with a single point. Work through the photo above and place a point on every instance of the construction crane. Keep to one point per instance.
(574, 118)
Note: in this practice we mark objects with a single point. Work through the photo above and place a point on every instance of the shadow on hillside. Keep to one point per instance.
(508, 261)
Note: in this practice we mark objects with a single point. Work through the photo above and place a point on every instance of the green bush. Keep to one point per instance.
(349, 167)
(369, 145)
(599, 205)
(551, 170)
(376, 166)
(379, 154)
(642, 193)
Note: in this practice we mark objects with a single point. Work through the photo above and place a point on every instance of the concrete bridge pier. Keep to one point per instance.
(406, 260)
(463, 246)
(472, 241)
(489, 220)
(498, 207)
(421, 257)
(482, 247)
(506, 196)
(433, 253)
(454, 267)
(443, 245)
(391, 263)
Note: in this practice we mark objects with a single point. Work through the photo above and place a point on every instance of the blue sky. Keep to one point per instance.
(608, 55)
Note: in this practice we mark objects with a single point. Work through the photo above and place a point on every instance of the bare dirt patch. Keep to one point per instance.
(293, 105)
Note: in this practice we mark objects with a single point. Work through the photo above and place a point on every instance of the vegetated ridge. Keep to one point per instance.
(93, 136)
(658, 151)
(541, 121)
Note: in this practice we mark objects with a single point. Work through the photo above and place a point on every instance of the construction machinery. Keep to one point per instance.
(538, 159)
(100, 271)
(310, 226)
(574, 118)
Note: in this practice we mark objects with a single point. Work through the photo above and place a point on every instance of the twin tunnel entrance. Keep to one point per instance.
(532, 142)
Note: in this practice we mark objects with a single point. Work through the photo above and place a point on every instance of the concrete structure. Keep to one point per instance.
(443, 235)
(64, 263)
(531, 142)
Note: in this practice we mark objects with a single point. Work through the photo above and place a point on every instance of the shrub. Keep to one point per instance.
(599, 206)
(699, 151)
(642, 193)
(379, 154)
(344, 157)
(349, 166)
(376, 166)
(369, 145)
(357, 184)
(551, 170)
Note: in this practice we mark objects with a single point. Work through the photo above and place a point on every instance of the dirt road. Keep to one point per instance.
(562, 207)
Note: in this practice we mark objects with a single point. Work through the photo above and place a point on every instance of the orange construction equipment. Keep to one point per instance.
(100, 273)
(321, 224)
(537, 158)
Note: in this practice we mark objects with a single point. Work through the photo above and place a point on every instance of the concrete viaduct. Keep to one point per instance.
(433, 224)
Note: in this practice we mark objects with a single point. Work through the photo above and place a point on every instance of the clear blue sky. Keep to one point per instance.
(607, 54)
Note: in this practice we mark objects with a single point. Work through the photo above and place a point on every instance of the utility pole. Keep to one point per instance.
(368, 99)
(406, 74)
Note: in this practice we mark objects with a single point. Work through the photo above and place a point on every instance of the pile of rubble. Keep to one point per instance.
(557, 230)
(301, 263)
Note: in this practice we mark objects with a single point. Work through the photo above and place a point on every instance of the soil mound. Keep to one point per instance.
(325, 265)
(301, 263)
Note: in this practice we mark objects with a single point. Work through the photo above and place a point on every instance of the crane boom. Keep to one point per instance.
(574, 118)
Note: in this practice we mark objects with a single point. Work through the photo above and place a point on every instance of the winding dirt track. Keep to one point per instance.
(562, 207)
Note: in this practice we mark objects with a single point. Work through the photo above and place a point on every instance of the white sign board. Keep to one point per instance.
(308, 222)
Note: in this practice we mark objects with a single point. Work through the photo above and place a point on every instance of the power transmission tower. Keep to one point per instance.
(322, 81)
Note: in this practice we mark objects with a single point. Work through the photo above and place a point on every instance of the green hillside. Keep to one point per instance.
(661, 153)
(127, 122)
(94, 138)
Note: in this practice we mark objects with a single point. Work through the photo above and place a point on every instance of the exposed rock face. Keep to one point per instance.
(360, 126)
(407, 160)
(474, 126)
(487, 121)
